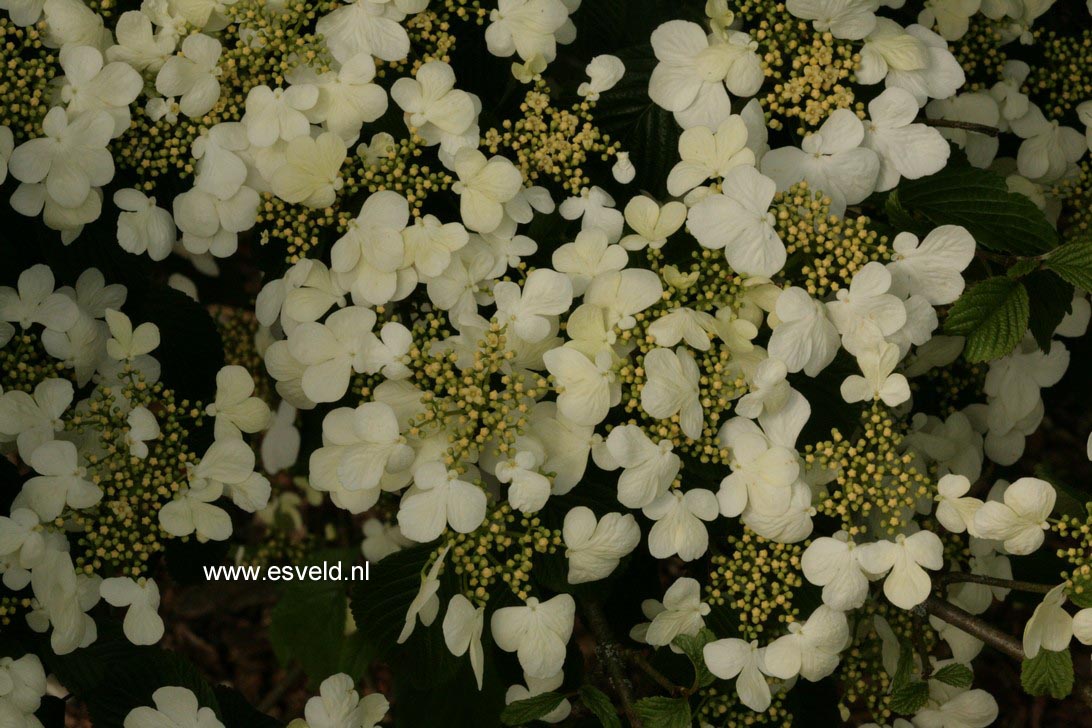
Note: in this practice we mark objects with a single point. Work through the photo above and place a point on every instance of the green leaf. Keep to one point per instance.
(660, 712)
(1050, 299)
(910, 698)
(1022, 267)
(993, 316)
(1073, 262)
(980, 201)
(1080, 590)
(693, 646)
(956, 674)
(901, 678)
(524, 711)
(1048, 673)
(597, 702)
(308, 623)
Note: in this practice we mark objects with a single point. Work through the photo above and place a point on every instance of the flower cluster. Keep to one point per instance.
(499, 340)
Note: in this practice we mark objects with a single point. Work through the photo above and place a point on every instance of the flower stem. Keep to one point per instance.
(611, 655)
(1024, 586)
(964, 125)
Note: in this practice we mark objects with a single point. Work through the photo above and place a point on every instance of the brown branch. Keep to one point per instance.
(964, 125)
(992, 636)
(1024, 586)
(611, 655)
(658, 677)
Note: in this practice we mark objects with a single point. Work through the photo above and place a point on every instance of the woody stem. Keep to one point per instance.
(1024, 586)
(611, 655)
(964, 125)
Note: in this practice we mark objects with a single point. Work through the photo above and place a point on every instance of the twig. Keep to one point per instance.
(964, 125)
(610, 654)
(992, 636)
(1024, 586)
(658, 677)
(277, 692)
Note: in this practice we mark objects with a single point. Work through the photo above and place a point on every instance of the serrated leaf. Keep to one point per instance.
(1050, 299)
(524, 711)
(980, 201)
(993, 316)
(664, 712)
(903, 668)
(1021, 268)
(1048, 673)
(957, 675)
(693, 646)
(1073, 262)
(597, 702)
(910, 698)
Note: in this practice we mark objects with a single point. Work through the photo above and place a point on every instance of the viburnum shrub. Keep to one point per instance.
(670, 363)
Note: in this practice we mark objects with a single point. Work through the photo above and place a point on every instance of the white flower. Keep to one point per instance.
(734, 658)
(211, 225)
(138, 44)
(695, 72)
(437, 499)
(142, 226)
(768, 390)
(530, 312)
(603, 73)
(846, 19)
(671, 388)
(536, 632)
(429, 244)
(425, 604)
(707, 155)
(31, 420)
(221, 169)
(739, 220)
(762, 472)
(890, 47)
(954, 511)
(235, 410)
(143, 427)
(142, 625)
(595, 209)
(934, 267)
(276, 114)
(1082, 626)
(834, 564)
(810, 649)
(192, 75)
(439, 112)
(311, 174)
(804, 338)
(61, 481)
(624, 294)
(70, 158)
(23, 13)
(679, 528)
(73, 23)
(484, 186)
(586, 389)
(125, 342)
(89, 85)
(1049, 151)
(192, 512)
(940, 76)
(682, 613)
(382, 539)
(652, 225)
(905, 149)
(361, 448)
(968, 709)
(1050, 626)
(463, 626)
(331, 351)
(22, 684)
(831, 160)
(648, 468)
(950, 17)
(877, 364)
(175, 707)
(590, 255)
(365, 26)
(684, 324)
(594, 547)
(526, 27)
(349, 98)
(1019, 521)
(33, 301)
(865, 313)
(338, 705)
(22, 543)
(369, 256)
(907, 584)
(7, 144)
